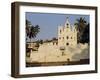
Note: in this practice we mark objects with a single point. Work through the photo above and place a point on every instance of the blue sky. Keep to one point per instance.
(49, 22)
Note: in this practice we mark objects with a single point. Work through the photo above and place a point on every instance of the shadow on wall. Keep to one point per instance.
(83, 55)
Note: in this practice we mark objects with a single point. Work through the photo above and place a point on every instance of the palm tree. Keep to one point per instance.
(31, 31)
(81, 24)
(86, 34)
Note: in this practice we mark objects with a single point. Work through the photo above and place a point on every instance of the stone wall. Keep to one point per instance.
(49, 53)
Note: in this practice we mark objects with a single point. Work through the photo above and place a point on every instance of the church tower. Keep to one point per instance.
(67, 35)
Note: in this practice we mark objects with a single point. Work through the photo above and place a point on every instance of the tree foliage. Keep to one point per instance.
(83, 30)
(31, 31)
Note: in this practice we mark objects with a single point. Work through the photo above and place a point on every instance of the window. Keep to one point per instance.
(53, 43)
(67, 37)
(67, 24)
(67, 44)
(63, 54)
(60, 31)
(68, 60)
(59, 37)
(71, 38)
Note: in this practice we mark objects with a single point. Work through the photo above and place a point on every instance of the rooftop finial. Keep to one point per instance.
(67, 21)
(67, 17)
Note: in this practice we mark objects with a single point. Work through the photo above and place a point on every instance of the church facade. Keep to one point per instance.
(67, 35)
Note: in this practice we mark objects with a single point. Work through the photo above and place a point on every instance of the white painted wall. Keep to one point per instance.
(5, 41)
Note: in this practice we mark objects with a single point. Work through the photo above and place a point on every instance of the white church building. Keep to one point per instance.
(67, 34)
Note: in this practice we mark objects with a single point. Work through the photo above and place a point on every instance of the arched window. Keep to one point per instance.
(67, 44)
(67, 24)
(71, 38)
(67, 37)
(60, 31)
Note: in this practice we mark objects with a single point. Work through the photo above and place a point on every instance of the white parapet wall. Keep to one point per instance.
(50, 53)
